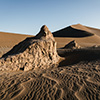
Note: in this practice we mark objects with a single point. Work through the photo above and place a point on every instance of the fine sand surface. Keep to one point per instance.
(76, 78)
(75, 82)
(8, 40)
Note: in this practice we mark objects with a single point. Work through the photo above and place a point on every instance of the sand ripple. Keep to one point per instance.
(77, 82)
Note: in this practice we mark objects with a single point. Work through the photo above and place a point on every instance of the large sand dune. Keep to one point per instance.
(8, 40)
(71, 32)
(76, 78)
(85, 36)
(86, 28)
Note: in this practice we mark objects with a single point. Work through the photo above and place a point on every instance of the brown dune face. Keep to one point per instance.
(84, 36)
(86, 28)
(10, 39)
(94, 30)
(71, 32)
(81, 27)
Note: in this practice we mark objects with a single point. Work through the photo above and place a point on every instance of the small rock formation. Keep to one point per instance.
(71, 45)
(33, 52)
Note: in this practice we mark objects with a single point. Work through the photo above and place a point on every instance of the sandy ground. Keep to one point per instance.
(77, 81)
(8, 40)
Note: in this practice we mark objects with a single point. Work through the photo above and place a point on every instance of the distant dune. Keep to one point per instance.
(72, 32)
(86, 28)
(76, 30)
(82, 34)
(85, 36)
(10, 39)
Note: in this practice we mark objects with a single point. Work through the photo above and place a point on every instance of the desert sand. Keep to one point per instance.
(8, 40)
(76, 76)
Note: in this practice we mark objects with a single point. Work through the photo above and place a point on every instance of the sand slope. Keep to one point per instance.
(84, 36)
(71, 32)
(8, 40)
(86, 28)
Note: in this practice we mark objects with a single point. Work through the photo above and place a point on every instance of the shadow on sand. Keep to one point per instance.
(75, 56)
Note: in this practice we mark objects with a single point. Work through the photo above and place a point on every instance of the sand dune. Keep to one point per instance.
(95, 30)
(72, 31)
(86, 28)
(10, 39)
(81, 27)
(84, 36)
(76, 78)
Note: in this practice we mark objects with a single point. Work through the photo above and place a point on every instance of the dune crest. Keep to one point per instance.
(73, 31)
(86, 28)
(33, 52)
(81, 27)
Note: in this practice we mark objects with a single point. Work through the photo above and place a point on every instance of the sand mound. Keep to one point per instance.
(81, 27)
(33, 52)
(86, 28)
(10, 39)
(72, 32)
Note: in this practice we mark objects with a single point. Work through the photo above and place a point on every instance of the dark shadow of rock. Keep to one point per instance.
(73, 56)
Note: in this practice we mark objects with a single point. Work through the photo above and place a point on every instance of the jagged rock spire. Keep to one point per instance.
(44, 33)
(33, 52)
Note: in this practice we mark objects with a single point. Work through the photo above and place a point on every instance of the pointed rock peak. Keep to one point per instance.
(44, 28)
(32, 53)
(44, 33)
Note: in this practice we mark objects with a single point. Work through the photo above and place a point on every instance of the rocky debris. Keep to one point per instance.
(71, 45)
(33, 52)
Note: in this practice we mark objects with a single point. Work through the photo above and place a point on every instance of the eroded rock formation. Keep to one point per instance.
(71, 45)
(33, 52)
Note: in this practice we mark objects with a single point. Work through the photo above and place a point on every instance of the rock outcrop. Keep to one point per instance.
(71, 45)
(33, 52)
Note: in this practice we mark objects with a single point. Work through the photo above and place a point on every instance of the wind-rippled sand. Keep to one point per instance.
(77, 82)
